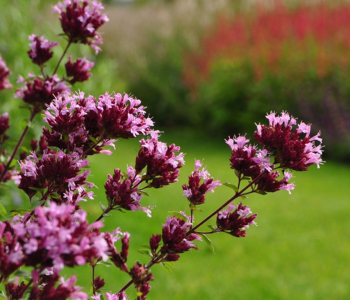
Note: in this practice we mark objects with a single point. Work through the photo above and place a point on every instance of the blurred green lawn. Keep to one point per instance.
(299, 250)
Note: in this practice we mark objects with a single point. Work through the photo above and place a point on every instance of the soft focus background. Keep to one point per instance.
(207, 70)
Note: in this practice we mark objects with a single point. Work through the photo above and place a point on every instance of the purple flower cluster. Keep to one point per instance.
(122, 191)
(79, 122)
(287, 148)
(140, 276)
(291, 149)
(195, 190)
(161, 162)
(109, 296)
(4, 73)
(176, 238)
(40, 51)
(55, 237)
(56, 175)
(80, 20)
(235, 221)
(40, 91)
(79, 70)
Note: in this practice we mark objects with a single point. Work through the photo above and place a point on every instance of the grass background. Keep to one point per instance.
(299, 250)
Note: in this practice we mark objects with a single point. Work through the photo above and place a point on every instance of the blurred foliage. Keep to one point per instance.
(219, 67)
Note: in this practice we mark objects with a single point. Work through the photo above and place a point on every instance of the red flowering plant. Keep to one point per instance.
(55, 233)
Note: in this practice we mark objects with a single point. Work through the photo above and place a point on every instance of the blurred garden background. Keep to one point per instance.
(207, 70)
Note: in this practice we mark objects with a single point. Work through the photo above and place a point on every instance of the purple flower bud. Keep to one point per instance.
(80, 19)
(154, 242)
(4, 125)
(40, 49)
(161, 162)
(40, 92)
(292, 149)
(4, 73)
(235, 221)
(195, 190)
(98, 283)
(79, 70)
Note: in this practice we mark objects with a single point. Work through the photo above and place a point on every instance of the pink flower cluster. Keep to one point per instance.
(56, 175)
(195, 190)
(289, 149)
(235, 221)
(122, 191)
(80, 19)
(4, 73)
(161, 162)
(57, 236)
(79, 122)
(176, 238)
(40, 51)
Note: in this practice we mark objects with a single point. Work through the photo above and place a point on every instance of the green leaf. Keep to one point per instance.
(232, 186)
(143, 193)
(212, 227)
(145, 251)
(103, 207)
(93, 140)
(178, 215)
(3, 211)
(208, 242)
(104, 263)
(2, 295)
(24, 274)
(260, 192)
(168, 266)
(20, 211)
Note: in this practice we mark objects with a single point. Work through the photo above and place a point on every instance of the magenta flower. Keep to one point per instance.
(80, 20)
(175, 237)
(161, 162)
(141, 276)
(40, 51)
(109, 296)
(235, 221)
(122, 191)
(58, 236)
(79, 70)
(39, 92)
(56, 173)
(195, 190)
(4, 73)
(291, 148)
(121, 116)
(4, 125)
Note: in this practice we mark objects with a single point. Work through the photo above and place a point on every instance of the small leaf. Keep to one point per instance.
(103, 207)
(178, 215)
(23, 274)
(93, 140)
(55, 195)
(107, 215)
(143, 193)
(19, 211)
(104, 263)
(35, 189)
(145, 251)
(168, 266)
(232, 186)
(54, 148)
(260, 192)
(208, 242)
(3, 211)
(212, 227)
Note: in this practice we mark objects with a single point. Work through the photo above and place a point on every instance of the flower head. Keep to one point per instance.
(40, 51)
(195, 190)
(235, 221)
(4, 73)
(161, 161)
(80, 20)
(79, 70)
(39, 91)
(291, 148)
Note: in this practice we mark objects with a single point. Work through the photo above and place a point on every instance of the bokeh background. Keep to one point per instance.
(207, 70)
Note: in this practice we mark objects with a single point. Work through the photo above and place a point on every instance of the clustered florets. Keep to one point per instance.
(235, 221)
(40, 51)
(4, 73)
(161, 162)
(195, 190)
(80, 20)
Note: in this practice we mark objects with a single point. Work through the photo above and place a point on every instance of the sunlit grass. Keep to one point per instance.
(299, 250)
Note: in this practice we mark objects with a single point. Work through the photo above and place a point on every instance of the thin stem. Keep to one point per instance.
(20, 140)
(60, 60)
(93, 279)
(106, 211)
(238, 194)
